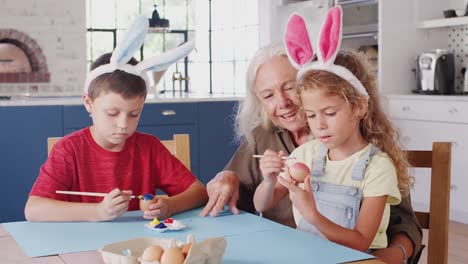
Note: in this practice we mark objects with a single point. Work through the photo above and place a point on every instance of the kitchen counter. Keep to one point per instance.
(151, 98)
(190, 97)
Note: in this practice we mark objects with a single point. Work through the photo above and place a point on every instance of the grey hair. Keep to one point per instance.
(250, 113)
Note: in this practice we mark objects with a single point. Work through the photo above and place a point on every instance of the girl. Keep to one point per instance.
(358, 169)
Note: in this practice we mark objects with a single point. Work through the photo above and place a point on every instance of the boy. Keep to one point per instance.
(111, 157)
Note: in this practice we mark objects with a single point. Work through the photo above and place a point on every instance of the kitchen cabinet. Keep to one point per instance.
(422, 121)
(75, 117)
(164, 120)
(25, 130)
(217, 144)
(23, 149)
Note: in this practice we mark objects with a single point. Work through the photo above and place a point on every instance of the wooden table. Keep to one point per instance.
(11, 252)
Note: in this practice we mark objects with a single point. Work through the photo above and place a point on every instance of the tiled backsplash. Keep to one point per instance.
(458, 44)
(58, 28)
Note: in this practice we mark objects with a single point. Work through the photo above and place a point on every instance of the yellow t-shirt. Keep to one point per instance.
(380, 179)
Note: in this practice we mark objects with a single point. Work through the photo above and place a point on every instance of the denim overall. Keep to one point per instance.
(338, 203)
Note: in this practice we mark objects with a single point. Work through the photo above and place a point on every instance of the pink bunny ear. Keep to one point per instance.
(330, 35)
(297, 41)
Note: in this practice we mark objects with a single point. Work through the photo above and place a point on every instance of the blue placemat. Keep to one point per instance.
(286, 246)
(43, 239)
(250, 239)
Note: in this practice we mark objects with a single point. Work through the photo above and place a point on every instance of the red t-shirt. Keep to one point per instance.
(78, 163)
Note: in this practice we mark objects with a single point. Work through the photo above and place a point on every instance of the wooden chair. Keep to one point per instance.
(179, 146)
(437, 219)
(51, 142)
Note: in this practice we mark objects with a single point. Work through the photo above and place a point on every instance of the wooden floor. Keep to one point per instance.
(458, 244)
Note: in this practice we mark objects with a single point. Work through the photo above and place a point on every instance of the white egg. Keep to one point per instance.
(152, 253)
(172, 255)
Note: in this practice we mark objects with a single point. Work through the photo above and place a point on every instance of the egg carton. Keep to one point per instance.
(209, 251)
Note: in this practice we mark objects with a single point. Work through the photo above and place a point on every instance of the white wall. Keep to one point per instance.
(274, 14)
(59, 28)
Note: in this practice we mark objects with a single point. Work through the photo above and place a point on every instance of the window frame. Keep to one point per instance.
(185, 33)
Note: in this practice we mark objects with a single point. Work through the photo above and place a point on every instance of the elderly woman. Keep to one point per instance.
(270, 118)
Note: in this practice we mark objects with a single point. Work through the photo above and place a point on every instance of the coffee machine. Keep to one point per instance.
(436, 73)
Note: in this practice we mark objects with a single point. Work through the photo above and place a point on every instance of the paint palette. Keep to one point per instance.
(166, 225)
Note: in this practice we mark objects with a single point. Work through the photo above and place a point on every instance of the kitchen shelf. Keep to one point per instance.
(444, 22)
(426, 97)
(304, 4)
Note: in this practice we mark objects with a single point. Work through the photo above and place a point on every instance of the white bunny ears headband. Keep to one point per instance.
(300, 52)
(131, 43)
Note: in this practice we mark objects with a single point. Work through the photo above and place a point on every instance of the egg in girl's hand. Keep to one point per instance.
(172, 255)
(299, 171)
(152, 253)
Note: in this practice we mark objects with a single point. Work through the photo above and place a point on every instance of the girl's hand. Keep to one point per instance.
(113, 205)
(271, 164)
(303, 199)
(159, 209)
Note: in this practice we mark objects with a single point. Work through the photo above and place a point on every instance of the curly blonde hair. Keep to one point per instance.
(375, 126)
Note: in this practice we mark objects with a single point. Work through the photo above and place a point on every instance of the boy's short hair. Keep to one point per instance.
(119, 82)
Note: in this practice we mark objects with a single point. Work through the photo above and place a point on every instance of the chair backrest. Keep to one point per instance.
(51, 142)
(437, 219)
(179, 146)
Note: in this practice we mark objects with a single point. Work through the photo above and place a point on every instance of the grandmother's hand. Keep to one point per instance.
(222, 189)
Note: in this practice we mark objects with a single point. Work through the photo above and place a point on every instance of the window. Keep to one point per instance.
(226, 33)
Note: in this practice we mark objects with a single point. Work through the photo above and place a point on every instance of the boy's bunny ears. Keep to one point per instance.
(131, 43)
(300, 50)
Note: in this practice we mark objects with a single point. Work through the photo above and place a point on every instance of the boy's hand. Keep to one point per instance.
(271, 164)
(113, 205)
(159, 209)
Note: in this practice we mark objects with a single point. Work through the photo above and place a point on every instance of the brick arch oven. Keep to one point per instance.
(21, 59)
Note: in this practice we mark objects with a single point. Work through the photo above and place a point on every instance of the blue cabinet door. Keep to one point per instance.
(75, 117)
(23, 141)
(216, 129)
(166, 119)
(169, 114)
